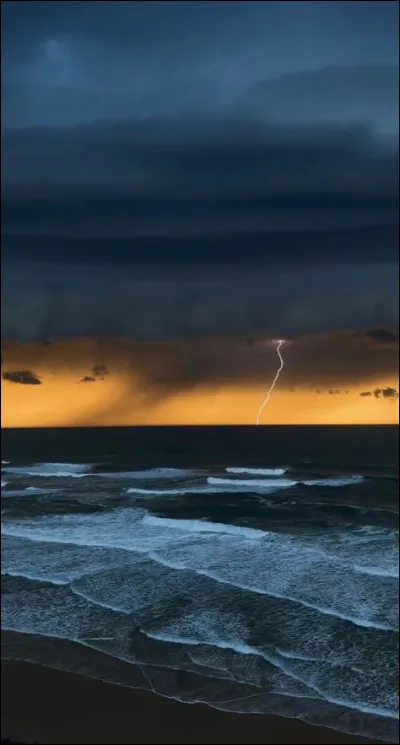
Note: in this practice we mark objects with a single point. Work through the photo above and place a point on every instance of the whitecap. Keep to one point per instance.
(159, 492)
(51, 470)
(202, 526)
(205, 489)
(377, 571)
(264, 484)
(336, 481)
(211, 640)
(33, 576)
(258, 471)
(286, 483)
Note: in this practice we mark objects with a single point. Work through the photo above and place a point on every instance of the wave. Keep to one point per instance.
(273, 658)
(202, 526)
(377, 571)
(215, 488)
(322, 576)
(275, 593)
(30, 491)
(112, 530)
(264, 484)
(4, 484)
(241, 631)
(148, 474)
(32, 576)
(161, 492)
(319, 661)
(51, 470)
(56, 562)
(258, 471)
(335, 481)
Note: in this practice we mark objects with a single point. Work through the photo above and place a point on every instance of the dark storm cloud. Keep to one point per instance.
(322, 246)
(166, 141)
(25, 377)
(322, 95)
(308, 362)
(50, 300)
(382, 336)
(200, 156)
(67, 62)
(195, 188)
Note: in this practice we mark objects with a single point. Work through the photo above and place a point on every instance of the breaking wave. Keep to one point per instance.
(50, 470)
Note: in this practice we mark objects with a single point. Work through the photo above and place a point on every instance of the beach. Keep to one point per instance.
(49, 706)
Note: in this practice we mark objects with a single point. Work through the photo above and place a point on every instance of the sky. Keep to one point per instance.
(184, 183)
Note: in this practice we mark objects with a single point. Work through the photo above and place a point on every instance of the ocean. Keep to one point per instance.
(254, 569)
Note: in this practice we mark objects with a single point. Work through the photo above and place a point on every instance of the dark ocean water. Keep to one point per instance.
(253, 569)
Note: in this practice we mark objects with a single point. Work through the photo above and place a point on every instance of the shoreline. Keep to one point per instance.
(43, 705)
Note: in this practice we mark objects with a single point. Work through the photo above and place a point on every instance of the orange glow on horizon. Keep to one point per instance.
(122, 398)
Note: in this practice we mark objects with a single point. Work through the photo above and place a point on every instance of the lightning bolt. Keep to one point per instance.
(275, 380)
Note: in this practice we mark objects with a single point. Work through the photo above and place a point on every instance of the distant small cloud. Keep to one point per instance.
(25, 377)
(99, 371)
(389, 392)
(87, 379)
(382, 393)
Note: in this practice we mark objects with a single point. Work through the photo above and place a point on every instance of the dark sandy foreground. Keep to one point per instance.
(48, 706)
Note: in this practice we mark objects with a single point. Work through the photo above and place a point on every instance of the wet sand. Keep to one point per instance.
(42, 705)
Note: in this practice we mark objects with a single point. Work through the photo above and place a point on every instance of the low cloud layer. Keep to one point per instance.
(46, 301)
